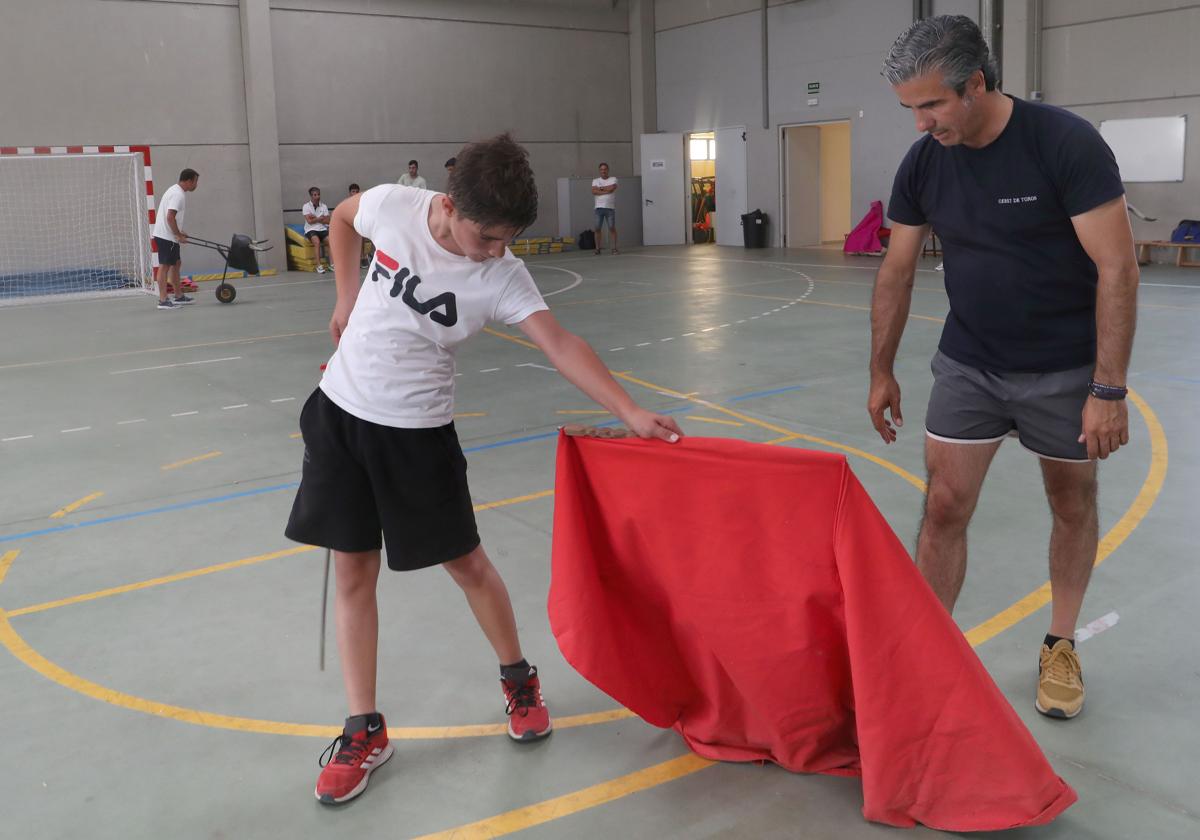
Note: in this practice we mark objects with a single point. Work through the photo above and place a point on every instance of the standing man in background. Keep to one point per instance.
(411, 178)
(168, 235)
(316, 226)
(1042, 281)
(606, 207)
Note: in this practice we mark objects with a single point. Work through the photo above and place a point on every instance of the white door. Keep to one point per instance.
(731, 185)
(664, 190)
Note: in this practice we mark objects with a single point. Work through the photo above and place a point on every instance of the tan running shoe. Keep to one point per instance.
(1060, 681)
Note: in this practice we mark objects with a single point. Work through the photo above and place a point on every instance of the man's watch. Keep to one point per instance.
(1107, 392)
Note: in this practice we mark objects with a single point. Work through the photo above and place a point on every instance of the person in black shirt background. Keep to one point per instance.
(1042, 282)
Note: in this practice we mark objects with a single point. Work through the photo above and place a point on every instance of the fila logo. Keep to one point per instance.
(404, 286)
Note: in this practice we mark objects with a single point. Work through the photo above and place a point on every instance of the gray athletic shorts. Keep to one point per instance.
(1043, 410)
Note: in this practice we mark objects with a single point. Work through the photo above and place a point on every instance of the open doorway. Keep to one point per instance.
(702, 174)
(815, 184)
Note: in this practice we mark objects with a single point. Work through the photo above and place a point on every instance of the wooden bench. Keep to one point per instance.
(1181, 251)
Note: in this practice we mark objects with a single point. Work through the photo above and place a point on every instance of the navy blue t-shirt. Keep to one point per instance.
(1022, 289)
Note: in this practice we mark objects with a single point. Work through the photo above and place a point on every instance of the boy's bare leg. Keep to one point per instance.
(356, 613)
(488, 597)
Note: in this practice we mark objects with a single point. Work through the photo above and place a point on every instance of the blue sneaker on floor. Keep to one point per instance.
(166, 304)
(184, 300)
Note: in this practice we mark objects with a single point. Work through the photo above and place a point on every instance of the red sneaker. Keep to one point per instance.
(528, 717)
(360, 749)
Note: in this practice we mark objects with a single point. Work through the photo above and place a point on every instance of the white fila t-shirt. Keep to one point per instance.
(395, 362)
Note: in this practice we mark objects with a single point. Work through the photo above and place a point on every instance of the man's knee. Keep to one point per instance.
(1075, 502)
(946, 507)
(357, 575)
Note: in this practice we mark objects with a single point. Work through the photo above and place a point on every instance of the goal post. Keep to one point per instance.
(75, 220)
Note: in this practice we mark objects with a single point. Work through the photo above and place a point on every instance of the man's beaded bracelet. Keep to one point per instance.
(1107, 392)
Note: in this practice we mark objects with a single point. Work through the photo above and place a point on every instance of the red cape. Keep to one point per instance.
(755, 600)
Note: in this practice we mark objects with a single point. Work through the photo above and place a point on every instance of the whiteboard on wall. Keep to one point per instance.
(1147, 149)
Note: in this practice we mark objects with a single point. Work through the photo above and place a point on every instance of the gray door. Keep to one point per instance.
(664, 190)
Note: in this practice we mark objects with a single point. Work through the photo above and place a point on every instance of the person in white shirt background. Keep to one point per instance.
(168, 235)
(316, 226)
(411, 178)
(603, 188)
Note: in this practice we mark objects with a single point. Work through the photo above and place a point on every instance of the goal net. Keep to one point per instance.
(72, 224)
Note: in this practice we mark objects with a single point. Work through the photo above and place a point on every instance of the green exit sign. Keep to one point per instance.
(814, 87)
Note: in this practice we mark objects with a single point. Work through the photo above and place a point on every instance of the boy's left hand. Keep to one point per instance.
(646, 424)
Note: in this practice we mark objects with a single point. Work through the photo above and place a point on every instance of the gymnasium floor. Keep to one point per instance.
(160, 678)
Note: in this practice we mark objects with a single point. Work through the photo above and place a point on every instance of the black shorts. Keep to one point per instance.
(360, 478)
(168, 251)
(318, 233)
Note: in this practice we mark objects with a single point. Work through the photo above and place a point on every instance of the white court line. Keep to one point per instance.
(128, 422)
(576, 275)
(185, 414)
(231, 407)
(615, 349)
(671, 338)
(539, 367)
(685, 335)
(283, 399)
(1170, 285)
(76, 429)
(489, 370)
(1095, 628)
(643, 344)
(180, 364)
(18, 437)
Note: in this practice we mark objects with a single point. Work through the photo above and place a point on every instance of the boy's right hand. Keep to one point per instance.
(337, 324)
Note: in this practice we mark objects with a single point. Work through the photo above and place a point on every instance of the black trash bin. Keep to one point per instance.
(754, 229)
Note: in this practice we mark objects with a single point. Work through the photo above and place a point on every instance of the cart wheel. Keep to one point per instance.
(226, 293)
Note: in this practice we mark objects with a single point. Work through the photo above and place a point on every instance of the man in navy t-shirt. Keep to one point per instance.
(1042, 281)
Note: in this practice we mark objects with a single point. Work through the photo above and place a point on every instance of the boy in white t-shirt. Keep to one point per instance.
(316, 225)
(603, 188)
(380, 449)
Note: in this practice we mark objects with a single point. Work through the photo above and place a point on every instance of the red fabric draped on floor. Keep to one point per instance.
(755, 600)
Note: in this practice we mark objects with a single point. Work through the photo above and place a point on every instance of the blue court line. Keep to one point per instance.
(768, 393)
(138, 514)
(247, 493)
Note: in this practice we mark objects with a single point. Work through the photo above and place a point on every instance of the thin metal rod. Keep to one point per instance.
(324, 604)
(766, 93)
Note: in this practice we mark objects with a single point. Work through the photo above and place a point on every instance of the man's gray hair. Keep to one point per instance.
(952, 44)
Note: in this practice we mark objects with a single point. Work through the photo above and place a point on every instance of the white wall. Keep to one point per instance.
(709, 74)
(1105, 59)
(361, 86)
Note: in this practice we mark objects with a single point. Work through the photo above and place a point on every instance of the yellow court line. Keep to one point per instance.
(74, 506)
(295, 435)
(783, 439)
(512, 338)
(214, 454)
(6, 560)
(571, 803)
(1134, 514)
(583, 411)
(515, 500)
(713, 420)
(158, 581)
(471, 414)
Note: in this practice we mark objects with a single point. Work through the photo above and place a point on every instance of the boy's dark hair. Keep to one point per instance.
(354, 187)
(413, 163)
(189, 175)
(602, 163)
(492, 183)
(311, 190)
